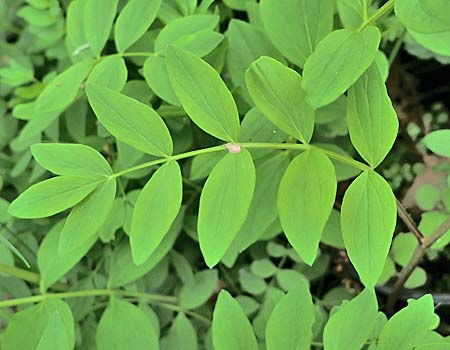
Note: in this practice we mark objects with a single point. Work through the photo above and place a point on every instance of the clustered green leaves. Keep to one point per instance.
(154, 100)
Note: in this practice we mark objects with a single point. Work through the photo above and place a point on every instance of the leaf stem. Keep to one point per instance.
(413, 262)
(87, 293)
(401, 210)
(380, 13)
(250, 145)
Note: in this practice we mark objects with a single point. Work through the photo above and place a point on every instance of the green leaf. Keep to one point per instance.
(133, 21)
(156, 209)
(368, 219)
(224, 204)
(338, 61)
(203, 94)
(111, 73)
(76, 41)
(403, 248)
(353, 12)
(124, 325)
(371, 118)
(438, 142)
(246, 43)
(98, 20)
(332, 234)
(351, 325)
(417, 279)
(230, 327)
(305, 200)
(132, 122)
(203, 164)
(407, 327)
(436, 42)
(181, 335)
(157, 78)
(296, 26)
(427, 197)
(53, 265)
(87, 217)
(55, 98)
(277, 92)
(290, 324)
(177, 30)
(197, 291)
(48, 325)
(71, 160)
(52, 196)
(123, 270)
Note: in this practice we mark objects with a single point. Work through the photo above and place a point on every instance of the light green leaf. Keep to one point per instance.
(305, 200)
(224, 204)
(48, 325)
(157, 78)
(436, 42)
(338, 61)
(203, 164)
(76, 41)
(403, 248)
(290, 324)
(111, 73)
(296, 26)
(125, 326)
(438, 142)
(156, 208)
(418, 278)
(230, 327)
(203, 94)
(278, 94)
(246, 43)
(98, 20)
(55, 98)
(407, 327)
(86, 218)
(52, 196)
(52, 264)
(181, 335)
(368, 219)
(123, 270)
(71, 160)
(353, 12)
(133, 21)
(351, 325)
(371, 118)
(197, 291)
(332, 234)
(130, 121)
(182, 28)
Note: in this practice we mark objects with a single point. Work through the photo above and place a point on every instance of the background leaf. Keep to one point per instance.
(439, 142)
(111, 73)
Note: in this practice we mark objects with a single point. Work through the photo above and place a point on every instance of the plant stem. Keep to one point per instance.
(396, 48)
(287, 146)
(86, 293)
(187, 312)
(413, 262)
(381, 12)
(401, 210)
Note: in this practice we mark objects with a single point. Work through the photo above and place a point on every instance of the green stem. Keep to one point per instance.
(86, 293)
(274, 146)
(381, 12)
(130, 54)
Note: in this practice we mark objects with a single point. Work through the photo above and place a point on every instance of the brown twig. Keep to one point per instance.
(413, 262)
(409, 222)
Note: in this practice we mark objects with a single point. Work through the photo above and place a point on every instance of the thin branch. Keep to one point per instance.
(413, 262)
(409, 222)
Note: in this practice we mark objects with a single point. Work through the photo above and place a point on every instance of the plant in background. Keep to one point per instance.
(110, 127)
